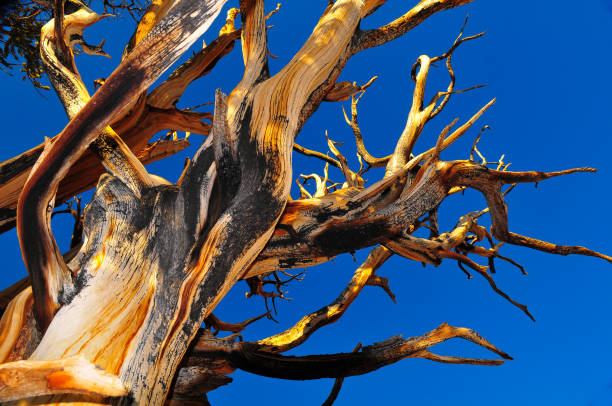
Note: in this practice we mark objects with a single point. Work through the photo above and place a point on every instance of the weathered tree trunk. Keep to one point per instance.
(156, 257)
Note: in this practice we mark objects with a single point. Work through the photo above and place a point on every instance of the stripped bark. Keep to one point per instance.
(156, 257)
(73, 375)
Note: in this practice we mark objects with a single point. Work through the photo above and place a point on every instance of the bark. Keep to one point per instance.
(156, 258)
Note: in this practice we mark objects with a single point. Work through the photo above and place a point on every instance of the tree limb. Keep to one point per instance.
(310, 323)
(398, 27)
(251, 358)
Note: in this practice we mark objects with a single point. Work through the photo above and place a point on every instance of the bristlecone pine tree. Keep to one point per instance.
(117, 319)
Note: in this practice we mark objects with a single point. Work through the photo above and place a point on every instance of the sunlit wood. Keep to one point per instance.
(117, 319)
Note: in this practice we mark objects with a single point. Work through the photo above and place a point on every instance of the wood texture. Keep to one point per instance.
(156, 258)
(74, 375)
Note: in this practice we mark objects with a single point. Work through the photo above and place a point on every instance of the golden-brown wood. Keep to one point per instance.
(74, 375)
(13, 322)
(156, 257)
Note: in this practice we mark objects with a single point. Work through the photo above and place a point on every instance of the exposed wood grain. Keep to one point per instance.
(14, 322)
(149, 59)
(76, 375)
(157, 257)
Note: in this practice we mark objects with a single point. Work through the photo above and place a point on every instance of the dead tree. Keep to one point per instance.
(117, 319)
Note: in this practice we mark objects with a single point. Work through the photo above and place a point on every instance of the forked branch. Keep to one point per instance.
(252, 358)
(361, 149)
(310, 323)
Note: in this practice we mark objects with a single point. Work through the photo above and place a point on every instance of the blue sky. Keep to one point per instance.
(548, 65)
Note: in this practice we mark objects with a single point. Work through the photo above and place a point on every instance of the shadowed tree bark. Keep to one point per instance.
(117, 319)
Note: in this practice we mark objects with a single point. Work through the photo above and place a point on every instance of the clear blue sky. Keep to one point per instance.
(548, 65)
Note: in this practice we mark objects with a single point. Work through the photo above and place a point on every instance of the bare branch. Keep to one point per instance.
(448, 55)
(300, 332)
(252, 358)
(476, 140)
(316, 154)
(361, 149)
(417, 118)
(58, 60)
(334, 392)
(214, 322)
(352, 179)
(426, 354)
(168, 93)
(483, 271)
(451, 138)
(337, 385)
(375, 280)
(341, 91)
(397, 28)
